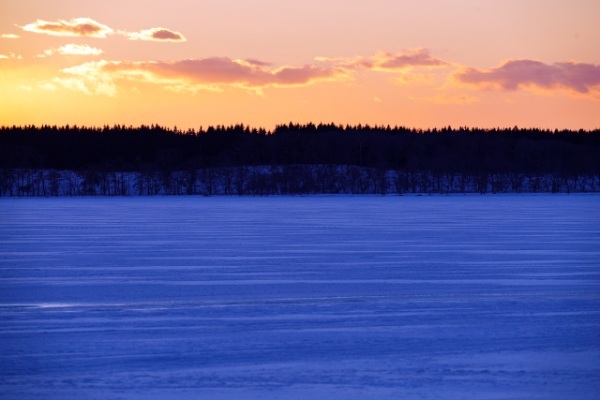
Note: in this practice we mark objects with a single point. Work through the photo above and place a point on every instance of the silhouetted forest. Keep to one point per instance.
(294, 159)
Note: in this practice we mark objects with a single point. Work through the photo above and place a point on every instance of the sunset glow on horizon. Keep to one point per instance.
(185, 63)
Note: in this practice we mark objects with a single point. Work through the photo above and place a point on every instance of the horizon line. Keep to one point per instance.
(343, 126)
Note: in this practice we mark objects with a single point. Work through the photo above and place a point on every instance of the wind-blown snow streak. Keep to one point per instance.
(296, 297)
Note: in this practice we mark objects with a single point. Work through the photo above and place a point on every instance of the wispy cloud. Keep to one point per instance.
(518, 74)
(85, 27)
(414, 67)
(156, 34)
(73, 49)
(11, 55)
(9, 36)
(390, 62)
(197, 74)
(88, 78)
(408, 67)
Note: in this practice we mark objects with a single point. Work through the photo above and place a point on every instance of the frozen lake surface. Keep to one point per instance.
(441, 297)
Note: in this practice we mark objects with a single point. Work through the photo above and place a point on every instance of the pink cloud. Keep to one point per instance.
(216, 70)
(225, 71)
(304, 75)
(257, 62)
(393, 62)
(517, 74)
(417, 58)
(85, 27)
(215, 73)
(156, 34)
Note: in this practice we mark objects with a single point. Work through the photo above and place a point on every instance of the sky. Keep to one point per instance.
(191, 63)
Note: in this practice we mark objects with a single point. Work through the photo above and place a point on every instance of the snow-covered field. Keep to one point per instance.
(397, 297)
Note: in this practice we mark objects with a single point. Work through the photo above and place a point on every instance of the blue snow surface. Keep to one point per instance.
(342, 297)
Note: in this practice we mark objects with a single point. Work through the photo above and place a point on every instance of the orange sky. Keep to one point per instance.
(418, 63)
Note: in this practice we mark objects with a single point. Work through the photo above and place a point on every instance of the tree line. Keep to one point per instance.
(294, 159)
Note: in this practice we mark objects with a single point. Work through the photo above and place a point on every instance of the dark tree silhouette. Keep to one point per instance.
(293, 159)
